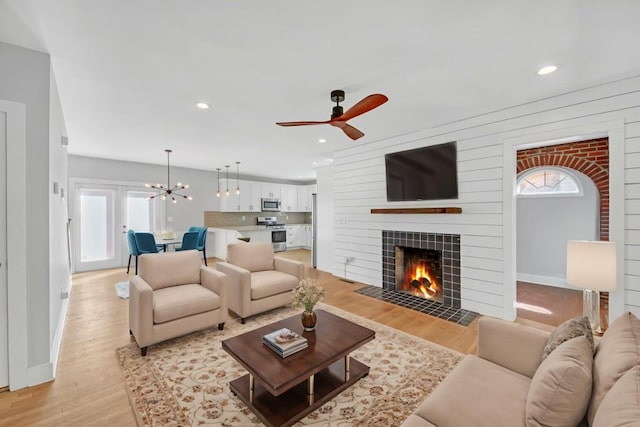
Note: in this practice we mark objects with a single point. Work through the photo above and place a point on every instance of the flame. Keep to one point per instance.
(421, 282)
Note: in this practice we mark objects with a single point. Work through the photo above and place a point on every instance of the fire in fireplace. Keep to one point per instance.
(419, 272)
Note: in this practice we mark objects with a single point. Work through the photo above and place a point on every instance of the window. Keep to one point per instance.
(548, 181)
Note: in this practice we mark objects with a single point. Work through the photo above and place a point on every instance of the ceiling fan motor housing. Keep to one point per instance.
(337, 111)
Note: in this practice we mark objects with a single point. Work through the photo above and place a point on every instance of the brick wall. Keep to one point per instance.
(589, 157)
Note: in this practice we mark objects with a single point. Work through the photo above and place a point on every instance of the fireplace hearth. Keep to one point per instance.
(435, 261)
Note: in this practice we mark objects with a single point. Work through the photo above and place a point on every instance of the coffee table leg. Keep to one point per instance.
(251, 384)
(346, 368)
(310, 389)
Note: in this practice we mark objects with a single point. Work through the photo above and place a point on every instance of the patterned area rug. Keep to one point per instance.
(185, 381)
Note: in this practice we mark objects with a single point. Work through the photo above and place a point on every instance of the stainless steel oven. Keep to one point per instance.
(278, 232)
(270, 205)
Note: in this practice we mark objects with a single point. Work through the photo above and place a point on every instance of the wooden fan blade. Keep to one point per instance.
(349, 130)
(366, 104)
(301, 123)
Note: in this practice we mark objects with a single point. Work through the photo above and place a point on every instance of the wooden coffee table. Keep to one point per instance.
(281, 391)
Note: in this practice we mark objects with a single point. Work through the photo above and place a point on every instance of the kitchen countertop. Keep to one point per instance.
(249, 227)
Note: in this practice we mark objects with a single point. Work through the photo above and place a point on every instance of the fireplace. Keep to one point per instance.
(419, 272)
(436, 252)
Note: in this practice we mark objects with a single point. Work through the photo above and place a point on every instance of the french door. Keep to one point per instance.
(103, 214)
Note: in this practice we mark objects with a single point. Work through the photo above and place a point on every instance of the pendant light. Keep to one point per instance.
(227, 190)
(237, 180)
(218, 193)
(169, 191)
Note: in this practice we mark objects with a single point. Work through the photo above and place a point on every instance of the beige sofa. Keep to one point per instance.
(507, 385)
(172, 295)
(258, 280)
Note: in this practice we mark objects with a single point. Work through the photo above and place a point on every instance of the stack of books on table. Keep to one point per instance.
(285, 342)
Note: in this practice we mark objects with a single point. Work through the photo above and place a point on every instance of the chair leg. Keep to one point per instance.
(136, 265)
(143, 351)
(204, 254)
(128, 264)
(221, 326)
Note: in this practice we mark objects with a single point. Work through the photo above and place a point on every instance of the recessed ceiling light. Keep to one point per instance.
(322, 140)
(315, 163)
(329, 160)
(547, 70)
(202, 105)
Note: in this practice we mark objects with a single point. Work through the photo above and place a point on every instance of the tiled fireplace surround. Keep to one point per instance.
(449, 245)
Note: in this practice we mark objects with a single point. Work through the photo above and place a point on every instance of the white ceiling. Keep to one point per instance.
(130, 71)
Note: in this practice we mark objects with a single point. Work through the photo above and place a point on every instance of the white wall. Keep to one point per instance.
(185, 213)
(546, 223)
(486, 188)
(25, 78)
(324, 218)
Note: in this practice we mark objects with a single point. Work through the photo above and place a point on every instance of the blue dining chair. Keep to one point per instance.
(189, 241)
(146, 243)
(202, 241)
(133, 249)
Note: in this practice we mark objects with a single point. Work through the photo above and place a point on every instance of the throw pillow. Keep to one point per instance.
(572, 328)
(561, 387)
(621, 406)
(617, 352)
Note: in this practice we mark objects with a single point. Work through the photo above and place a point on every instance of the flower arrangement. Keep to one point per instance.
(307, 294)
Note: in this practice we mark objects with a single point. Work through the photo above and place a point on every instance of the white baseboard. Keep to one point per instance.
(57, 339)
(39, 374)
(544, 280)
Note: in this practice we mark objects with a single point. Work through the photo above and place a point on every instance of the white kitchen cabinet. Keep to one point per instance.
(263, 236)
(289, 198)
(250, 195)
(293, 236)
(305, 200)
(231, 202)
(221, 238)
(307, 232)
(270, 190)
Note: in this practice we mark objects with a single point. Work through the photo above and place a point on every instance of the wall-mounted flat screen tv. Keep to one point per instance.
(427, 173)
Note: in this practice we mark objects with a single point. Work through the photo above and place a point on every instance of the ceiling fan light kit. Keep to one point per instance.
(339, 118)
(169, 191)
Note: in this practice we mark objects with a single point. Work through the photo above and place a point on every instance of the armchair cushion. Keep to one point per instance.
(175, 302)
(252, 257)
(271, 282)
(181, 268)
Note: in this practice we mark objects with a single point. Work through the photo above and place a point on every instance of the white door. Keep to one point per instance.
(4, 330)
(103, 215)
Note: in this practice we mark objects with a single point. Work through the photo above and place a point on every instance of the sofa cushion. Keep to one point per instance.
(616, 353)
(170, 269)
(621, 406)
(464, 397)
(251, 256)
(569, 329)
(267, 283)
(561, 387)
(176, 302)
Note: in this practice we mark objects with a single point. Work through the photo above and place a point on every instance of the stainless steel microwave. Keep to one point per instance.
(270, 205)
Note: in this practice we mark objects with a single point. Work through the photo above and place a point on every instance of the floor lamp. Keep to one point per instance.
(591, 266)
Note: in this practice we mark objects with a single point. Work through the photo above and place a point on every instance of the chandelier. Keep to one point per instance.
(169, 191)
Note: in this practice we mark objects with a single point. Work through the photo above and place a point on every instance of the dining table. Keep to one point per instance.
(167, 243)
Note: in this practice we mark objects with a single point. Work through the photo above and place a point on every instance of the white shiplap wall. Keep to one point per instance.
(484, 190)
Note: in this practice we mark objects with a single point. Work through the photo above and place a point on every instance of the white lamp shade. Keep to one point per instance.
(591, 265)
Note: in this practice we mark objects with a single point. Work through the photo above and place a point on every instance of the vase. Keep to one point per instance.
(309, 320)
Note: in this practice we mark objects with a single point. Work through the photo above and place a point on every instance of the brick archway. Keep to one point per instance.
(589, 157)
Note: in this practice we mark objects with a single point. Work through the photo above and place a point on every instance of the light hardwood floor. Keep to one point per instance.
(89, 387)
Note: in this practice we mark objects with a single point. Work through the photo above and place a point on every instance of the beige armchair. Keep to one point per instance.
(258, 280)
(174, 295)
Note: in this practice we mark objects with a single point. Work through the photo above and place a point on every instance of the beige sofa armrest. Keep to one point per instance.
(216, 281)
(289, 266)
(141, 311)
(511, 345)
(238, 287)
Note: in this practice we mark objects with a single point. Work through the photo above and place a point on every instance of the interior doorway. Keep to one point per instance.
(102, 215)
(542, 294)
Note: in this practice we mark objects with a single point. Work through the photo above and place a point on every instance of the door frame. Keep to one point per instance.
(551, 135)
(16, 231)
(123, 186)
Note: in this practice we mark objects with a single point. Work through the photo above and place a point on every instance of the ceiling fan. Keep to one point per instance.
(339, 118)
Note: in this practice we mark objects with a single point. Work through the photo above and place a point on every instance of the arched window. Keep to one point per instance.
(548, 181)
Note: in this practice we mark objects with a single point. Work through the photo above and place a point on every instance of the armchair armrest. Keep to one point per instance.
(238, 287)
(216, 281)
(141, 310)
(289, 266)
(511, 345)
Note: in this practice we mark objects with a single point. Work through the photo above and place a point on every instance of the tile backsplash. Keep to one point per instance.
(226, 219)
